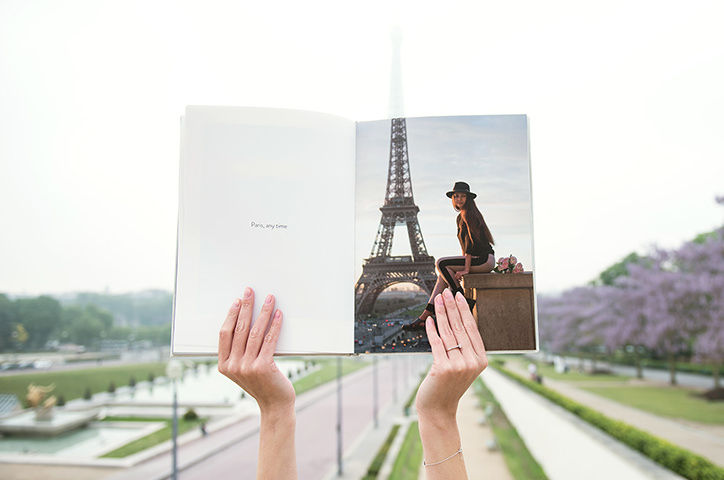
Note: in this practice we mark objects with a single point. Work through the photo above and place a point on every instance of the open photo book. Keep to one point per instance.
(343, 222)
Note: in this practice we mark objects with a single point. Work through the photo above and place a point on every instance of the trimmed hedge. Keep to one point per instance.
(673, 457)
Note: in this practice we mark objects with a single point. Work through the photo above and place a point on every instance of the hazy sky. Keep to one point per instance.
(624, 100)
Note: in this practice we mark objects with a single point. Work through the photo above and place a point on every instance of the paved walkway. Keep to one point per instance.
(479, 460)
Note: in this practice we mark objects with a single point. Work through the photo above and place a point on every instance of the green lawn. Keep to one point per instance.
(72, 384)
(667, 401)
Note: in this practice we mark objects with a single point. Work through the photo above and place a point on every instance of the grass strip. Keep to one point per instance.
(408, 461)
(673, 457)
(376, 465)
(521, 464)
(153, 439)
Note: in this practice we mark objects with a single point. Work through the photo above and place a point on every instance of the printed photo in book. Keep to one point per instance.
(448, 187)
(346, 224)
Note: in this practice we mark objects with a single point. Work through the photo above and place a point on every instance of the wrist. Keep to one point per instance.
(438, 418)
(278, 413)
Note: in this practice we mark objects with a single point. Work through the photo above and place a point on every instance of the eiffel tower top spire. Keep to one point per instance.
(396, 100)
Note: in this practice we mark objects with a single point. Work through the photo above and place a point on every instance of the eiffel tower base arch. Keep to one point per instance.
(379, 275)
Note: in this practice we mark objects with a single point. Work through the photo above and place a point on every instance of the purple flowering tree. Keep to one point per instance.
(703, 260)
(623, 323)
(567, 322)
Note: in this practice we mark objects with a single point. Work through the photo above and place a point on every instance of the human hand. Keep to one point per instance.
(246, 354)
(460, 274)
(458, 357)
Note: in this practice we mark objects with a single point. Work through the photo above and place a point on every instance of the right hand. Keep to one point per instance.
(453, 369)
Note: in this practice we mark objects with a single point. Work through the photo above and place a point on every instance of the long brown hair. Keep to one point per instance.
(474, 220)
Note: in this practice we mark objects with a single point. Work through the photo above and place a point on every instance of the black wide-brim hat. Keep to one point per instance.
(461, 187)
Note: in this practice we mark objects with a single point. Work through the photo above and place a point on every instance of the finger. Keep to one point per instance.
(443, 324)
(226, 333)
(436, 346)
(458, 323)
(258, 330)
(269, 345)
(243, 323)
(453, 314)
(470, 325)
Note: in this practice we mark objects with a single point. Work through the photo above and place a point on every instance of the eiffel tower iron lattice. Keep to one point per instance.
(382, 269)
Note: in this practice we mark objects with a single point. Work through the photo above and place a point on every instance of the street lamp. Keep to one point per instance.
(174, 370)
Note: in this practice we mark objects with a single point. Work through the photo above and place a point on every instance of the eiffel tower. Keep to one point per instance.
(381, 269)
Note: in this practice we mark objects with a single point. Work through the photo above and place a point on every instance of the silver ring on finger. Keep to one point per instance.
(453, 348)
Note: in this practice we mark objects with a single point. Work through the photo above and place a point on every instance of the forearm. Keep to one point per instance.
(277, 449)
(440, 444)
(468, 262)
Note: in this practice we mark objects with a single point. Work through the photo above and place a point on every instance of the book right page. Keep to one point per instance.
(407, 172)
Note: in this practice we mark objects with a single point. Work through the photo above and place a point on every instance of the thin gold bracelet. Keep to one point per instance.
(460, 450)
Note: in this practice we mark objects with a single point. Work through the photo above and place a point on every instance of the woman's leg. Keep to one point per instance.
(440, 285)
(486, 267)
(447, 266)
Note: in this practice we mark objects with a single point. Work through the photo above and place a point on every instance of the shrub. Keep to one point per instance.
(190, 415)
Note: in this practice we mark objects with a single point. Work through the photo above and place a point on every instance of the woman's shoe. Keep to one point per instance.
(419, 324)
(471, 303)
(415, 326)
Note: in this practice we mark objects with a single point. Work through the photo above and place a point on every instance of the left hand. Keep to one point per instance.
(246, 354)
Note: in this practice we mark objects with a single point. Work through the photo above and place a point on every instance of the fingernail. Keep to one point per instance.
(460, 297)
(247, 292)
(438, 300)
(269, 299)
(447, 294)
(278, 315)
(236, 302)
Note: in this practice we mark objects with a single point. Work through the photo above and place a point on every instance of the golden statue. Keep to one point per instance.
(37, 399)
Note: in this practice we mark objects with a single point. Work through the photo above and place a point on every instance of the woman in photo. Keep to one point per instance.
(476, 242)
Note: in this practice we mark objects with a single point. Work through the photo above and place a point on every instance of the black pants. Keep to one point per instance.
(460, 262)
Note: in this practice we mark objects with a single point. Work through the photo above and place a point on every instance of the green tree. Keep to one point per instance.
(84, 325)
(8, 321)
(41, 317)
(85, 329)
(619, 269)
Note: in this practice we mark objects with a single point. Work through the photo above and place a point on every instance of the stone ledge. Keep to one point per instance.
(504, 309)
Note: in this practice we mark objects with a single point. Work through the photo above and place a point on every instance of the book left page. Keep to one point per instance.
(266, 200)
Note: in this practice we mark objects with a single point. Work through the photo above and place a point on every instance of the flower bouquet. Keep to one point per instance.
(508, 265)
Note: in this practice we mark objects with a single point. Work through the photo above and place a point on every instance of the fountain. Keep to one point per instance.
(42, 418)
